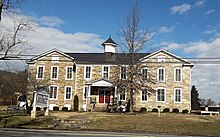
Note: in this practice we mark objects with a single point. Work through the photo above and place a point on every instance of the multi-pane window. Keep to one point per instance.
(54, 72)
(85, 92)
(122, 94)
(177, 74)
(144, 95)
(69, 73)
(55, 58)
(105, 72)
(40, 72)
(161, 74)
(123, 72)
(177, 95)
(68, 92)
(53, 92)
(161, 58)
(144, 74)
(161, 94)
(88, 71)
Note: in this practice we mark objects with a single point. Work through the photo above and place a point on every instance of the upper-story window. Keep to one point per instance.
(68, 92)
(177, 95)
(55, 58)
(177, 74)
(88, 72)
(123, 72)
(54, 72)
(40, 72)
(105, 71)
(144, 94)
(161, 74)
(53, 90)
(161, 94)
(161, 58)
(144, 74)
(69, 72)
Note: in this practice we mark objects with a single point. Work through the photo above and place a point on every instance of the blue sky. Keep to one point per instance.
(187, 28)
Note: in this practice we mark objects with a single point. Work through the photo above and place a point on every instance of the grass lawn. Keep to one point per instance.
(167, 123)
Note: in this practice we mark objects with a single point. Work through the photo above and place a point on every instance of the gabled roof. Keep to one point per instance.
(32, 60)
(109, 41)
(168, 53)
(100, 82)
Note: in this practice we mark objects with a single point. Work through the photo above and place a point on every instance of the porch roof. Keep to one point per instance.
(103, 82)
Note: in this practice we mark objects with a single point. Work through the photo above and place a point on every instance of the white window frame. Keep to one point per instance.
(119, 95)
(142, 71)
(84, 90)
(51, 73)
(90, 76)
(66, 92)
(142, 94)
(175, 74)
(67, 73)
(125, 72)
(57, 92)
(105, 72)
(161, 58)
(175, 89)
(164, 94)
(37, 77)
(55, 58)
(164, 75)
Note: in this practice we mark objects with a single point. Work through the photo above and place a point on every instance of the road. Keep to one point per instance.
(14, 132)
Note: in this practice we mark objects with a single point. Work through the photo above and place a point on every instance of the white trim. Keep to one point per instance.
(164, 75)
(141, 95)
(120, 97)
(164, 94)
(125, 72)
(67, 72)
(175, 95)
(57, 92)
(103, 70)
(175, 74)
(84, 87)
(85, 72)
(38, 70)
(147, 73)
(161, 58)
(51, 72)
(55, 58)
(71, 91)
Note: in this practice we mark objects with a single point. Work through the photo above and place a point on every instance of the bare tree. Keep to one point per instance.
(133, 41)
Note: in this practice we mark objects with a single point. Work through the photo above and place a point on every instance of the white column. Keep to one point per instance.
(33, 111)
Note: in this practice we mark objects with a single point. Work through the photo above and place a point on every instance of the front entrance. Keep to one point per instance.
(104, 96)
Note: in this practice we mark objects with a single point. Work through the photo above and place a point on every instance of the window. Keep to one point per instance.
(123, 72)
(55, 58)
(40, 72)
(177, 95)
(144, 74)
(85, 92)
(161, 95)
(161, 74)
(144, 95)
(88, 72)
(161, 58)
(177, 75)
(53, 90)
(122, 94)
(54, 72)
(105, 71)
(68, 92)
(69, 73)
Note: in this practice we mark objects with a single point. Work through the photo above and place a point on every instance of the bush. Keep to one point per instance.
(176, 110)
(155, 110)
(38, 108)
(143, 109)
(64, 108)
(166, 110)
(185, 111)
(55, 108)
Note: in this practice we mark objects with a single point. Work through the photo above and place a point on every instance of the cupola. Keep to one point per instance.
(109, 45)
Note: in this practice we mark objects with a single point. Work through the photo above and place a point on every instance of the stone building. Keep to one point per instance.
(93, 78)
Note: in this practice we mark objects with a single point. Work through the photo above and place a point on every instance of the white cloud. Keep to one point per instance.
(208, 12)
(180, 9)
(210, 31)
(50, 21)
(199, 3)
(170, 46)
(166, 29)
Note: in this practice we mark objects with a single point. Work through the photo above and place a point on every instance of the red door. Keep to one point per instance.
(104, 96)
(101, 96)
(107, 97)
